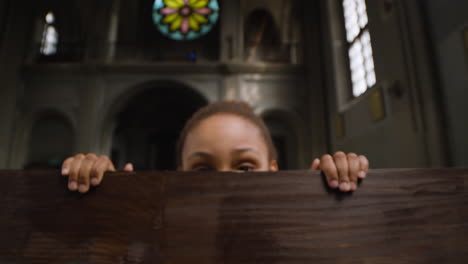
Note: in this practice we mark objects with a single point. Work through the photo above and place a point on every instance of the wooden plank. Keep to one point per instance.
(395, 216)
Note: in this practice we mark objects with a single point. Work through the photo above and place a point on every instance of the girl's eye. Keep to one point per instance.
(246, 168)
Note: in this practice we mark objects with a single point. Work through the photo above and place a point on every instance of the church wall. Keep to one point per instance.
(396, 122)
(59, 95)
(447, 21)
(4, 6)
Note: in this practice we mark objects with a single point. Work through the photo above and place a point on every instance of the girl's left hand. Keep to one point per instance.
(342, 170)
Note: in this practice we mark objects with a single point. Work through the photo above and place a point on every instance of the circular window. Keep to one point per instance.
(185, 19)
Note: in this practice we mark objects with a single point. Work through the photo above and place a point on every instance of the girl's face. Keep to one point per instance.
(226, 142)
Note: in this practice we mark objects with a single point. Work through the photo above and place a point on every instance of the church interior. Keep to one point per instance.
(384, 78)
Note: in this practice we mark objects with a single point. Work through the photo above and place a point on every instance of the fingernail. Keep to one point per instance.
(344, 187)
(362, 174)
(353, 186)
(83, 188)
(94, 181)
(72, 186)
(334, 184)
(64, 171)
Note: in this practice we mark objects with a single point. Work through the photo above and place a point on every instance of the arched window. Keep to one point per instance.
(50, 36)
(262, 40)
(361, 61)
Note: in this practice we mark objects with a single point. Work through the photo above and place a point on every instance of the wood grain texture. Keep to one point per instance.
(395, 216)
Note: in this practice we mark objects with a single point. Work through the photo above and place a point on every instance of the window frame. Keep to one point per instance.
(45, 28)
(346, 48)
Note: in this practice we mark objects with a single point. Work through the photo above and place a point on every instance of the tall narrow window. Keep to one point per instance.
(49, 36)
(361, 61)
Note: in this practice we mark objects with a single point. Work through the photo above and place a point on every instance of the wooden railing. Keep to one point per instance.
(395, 216)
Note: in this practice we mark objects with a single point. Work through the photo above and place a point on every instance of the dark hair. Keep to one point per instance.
(237, 108)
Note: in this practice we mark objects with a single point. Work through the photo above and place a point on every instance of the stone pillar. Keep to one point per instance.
(11, 59)
(88, 136)
(231, 27)
(101, 28)
(314, 79)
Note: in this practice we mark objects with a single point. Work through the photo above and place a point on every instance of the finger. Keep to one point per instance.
(364, 165)
(74, 171)
(328, 167)
(85, 171)
(354, 168)
(66, 166)
(341, 163)
(128, 167)
(315, 165)
(102, 164)
(111, 166)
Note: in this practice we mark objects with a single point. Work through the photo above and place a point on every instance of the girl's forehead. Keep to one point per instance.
(225, 123)
(224, 130)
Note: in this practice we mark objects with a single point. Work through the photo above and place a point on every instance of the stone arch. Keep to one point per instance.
(287, 131)
(48, 138)
(23, 130)
(145, 120)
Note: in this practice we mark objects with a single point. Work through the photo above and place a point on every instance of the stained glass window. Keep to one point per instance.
(361, 61)
(185, 19)
(49, 36)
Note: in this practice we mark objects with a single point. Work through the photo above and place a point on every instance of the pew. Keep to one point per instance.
(395, 216)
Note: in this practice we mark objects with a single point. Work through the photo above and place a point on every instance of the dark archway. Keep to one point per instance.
(149, 125)
(51, 141)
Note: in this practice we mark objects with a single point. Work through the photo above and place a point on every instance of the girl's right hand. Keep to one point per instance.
(83, 170)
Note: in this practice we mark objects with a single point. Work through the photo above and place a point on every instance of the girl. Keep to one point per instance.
(223, 136)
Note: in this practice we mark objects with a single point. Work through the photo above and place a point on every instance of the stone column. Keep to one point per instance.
(88, 136)
(11, 59)
(101, 27)
(231, 27)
